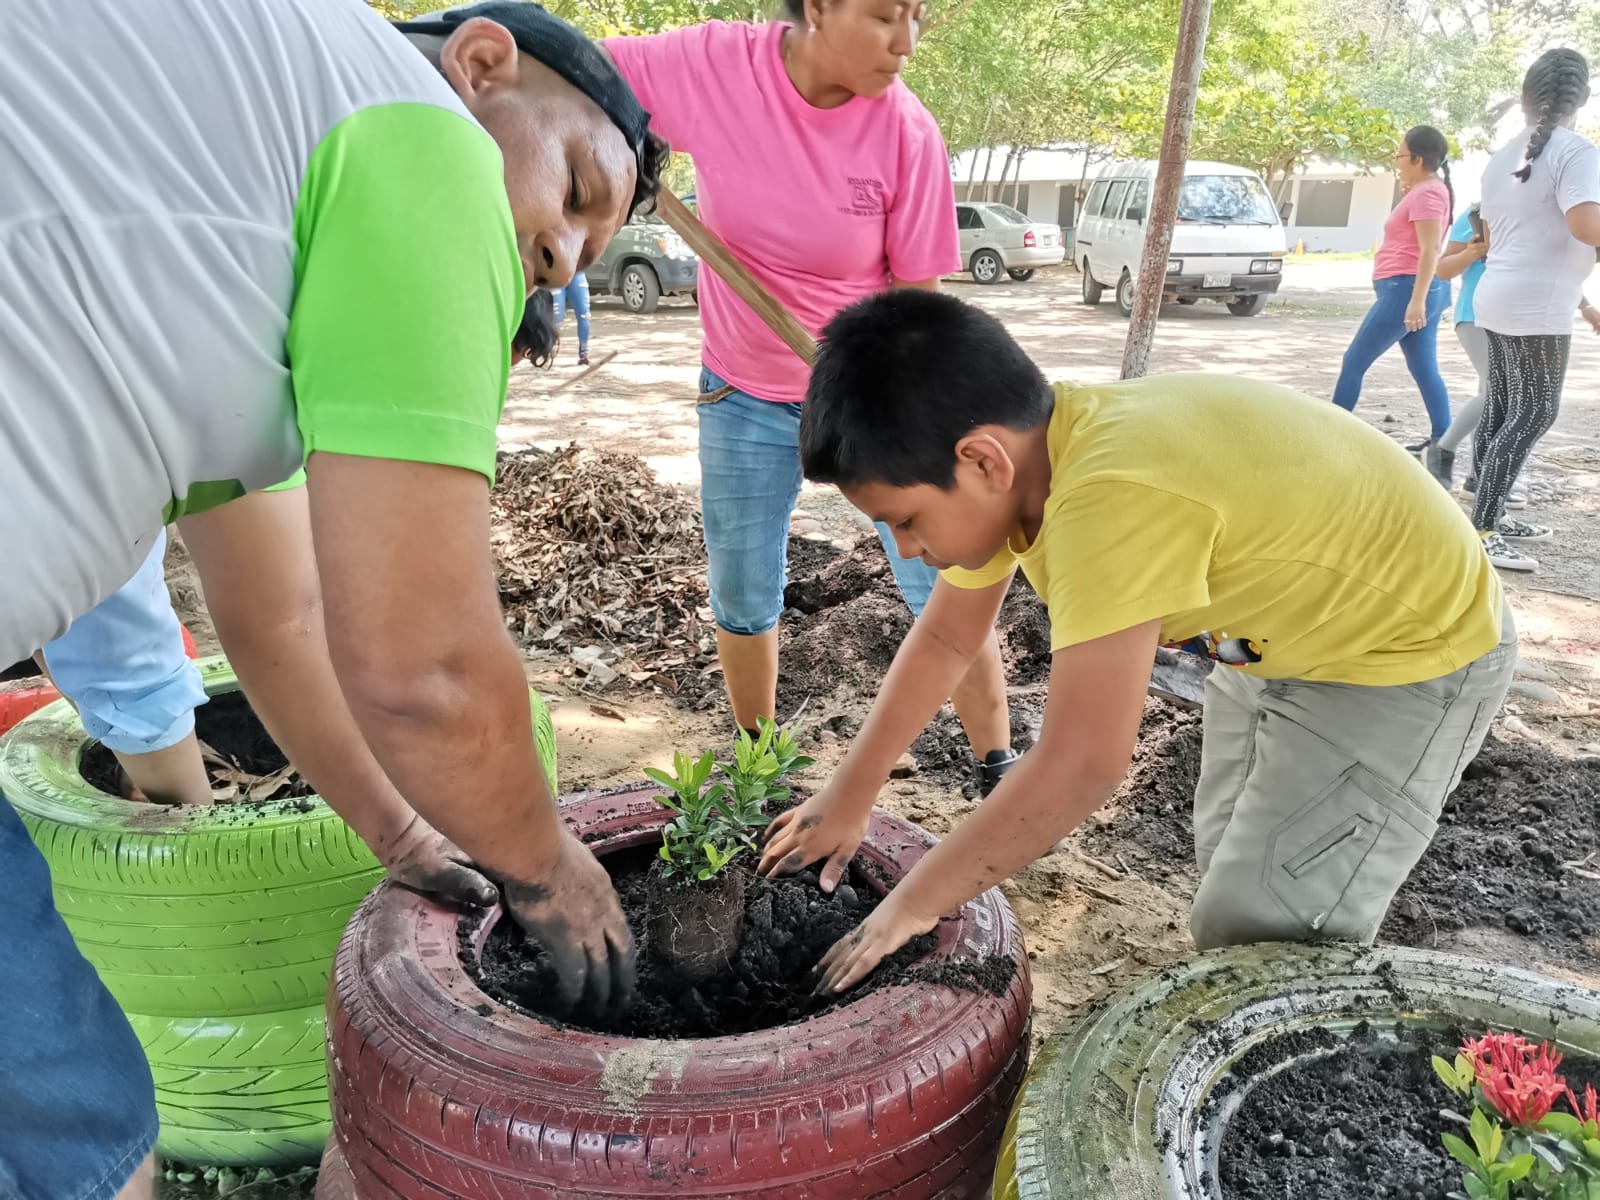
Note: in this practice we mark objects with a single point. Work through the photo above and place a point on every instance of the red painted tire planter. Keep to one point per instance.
(19, 703)
(903, 1094)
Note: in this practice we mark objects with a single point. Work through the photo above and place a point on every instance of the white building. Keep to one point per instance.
(1335, 207)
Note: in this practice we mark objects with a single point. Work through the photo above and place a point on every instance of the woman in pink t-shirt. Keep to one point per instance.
(1411, 297)
(829, 180)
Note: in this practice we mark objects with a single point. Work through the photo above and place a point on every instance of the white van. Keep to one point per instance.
(1228, 244)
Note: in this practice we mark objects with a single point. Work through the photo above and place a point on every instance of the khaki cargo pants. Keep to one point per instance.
(1315, 800)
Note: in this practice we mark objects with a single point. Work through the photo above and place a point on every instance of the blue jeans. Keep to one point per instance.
(122, 664)
(1384, 325)
(749, 482)
(576, 294)
(77, 1103)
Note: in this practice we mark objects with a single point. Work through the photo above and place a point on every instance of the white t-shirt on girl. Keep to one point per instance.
(1534, 274)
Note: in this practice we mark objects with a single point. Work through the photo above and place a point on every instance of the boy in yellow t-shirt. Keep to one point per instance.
(1362, 640)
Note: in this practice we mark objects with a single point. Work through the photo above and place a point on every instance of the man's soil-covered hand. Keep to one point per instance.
(572, 912)
(424, 860)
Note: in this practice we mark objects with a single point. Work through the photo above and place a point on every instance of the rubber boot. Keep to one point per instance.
(993, 769)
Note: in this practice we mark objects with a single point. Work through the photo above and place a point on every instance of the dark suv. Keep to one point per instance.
(645, 261)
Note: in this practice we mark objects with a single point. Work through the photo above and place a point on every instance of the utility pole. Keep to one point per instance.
(1163, 214)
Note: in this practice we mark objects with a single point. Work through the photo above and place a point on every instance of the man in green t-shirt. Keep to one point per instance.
(240, 239)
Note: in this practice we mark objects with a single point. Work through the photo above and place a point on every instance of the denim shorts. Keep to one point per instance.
(123, 665)
(749, 482)
(77, 1103)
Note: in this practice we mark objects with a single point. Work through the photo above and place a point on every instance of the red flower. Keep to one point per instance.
(1517, 1079)
(1589, 1112)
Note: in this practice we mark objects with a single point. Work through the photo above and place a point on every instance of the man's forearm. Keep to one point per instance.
(416, 636)
(285, 672)
(457, 740)
(261, 588)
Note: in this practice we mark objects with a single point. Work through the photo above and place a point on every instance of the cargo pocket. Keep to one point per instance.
(1335, 864)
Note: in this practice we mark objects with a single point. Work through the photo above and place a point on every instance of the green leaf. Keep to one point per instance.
(1519, 1167)
(1591, 1147)
(1482, 1134)
(1556, 1164)
(1477, 1188)
(1497, 1141)
(1462, 1153)
(1562, 1125)
(1451, 1078)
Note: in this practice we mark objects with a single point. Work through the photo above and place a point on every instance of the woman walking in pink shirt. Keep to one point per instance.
(1411, 297)
(829, 180)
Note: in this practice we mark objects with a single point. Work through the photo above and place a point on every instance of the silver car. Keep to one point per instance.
(996, 238)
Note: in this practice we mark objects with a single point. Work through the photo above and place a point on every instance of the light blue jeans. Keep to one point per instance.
(575, 295)
(122, 663)
(749, 482)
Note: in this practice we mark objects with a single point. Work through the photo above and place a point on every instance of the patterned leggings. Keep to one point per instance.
(1525, 378)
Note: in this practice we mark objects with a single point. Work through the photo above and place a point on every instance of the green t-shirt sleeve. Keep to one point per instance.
(408, 289)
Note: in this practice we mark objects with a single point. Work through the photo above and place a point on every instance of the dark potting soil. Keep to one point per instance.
(1363, 1118)
(1502, 858)
(788, 925)
(26, 669)
(228, 725)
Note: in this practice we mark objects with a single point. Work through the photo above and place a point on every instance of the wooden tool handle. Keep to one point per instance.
(735, 274)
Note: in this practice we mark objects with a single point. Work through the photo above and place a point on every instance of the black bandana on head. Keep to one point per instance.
(559, 46)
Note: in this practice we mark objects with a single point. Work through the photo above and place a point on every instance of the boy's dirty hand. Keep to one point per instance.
(424, 860)
(573, 913)
(821, 828)
(856, 955)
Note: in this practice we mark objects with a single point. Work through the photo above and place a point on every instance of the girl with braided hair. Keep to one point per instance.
(1411, 296)
(1541, 211)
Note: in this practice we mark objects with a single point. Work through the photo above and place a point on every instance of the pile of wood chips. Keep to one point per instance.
(593, 552)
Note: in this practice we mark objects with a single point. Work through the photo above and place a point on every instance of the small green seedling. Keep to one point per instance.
(717, 822)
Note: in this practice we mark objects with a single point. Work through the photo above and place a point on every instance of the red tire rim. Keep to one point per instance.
(903, 1093)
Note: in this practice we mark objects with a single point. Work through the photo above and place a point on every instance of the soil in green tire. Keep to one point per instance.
(1362, 1118)
(228, 725)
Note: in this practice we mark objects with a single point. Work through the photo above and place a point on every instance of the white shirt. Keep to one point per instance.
(1533, 277)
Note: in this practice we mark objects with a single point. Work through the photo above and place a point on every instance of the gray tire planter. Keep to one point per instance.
(214, 927)
(1116, 1107)
(438, 1090)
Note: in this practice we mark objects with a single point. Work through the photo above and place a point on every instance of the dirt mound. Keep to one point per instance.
(845, 619)
(1518, 847)
(591, 549)
(1149, 823)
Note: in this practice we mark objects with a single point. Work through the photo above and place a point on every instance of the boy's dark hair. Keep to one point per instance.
(1433, 148)
(536, 338)
(900, 378)
(1556, 86)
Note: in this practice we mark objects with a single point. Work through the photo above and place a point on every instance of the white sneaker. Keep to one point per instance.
(1504, 557)
(1522, 531)
(1516, 500)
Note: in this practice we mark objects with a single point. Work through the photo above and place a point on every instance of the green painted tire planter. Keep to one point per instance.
(1115, 1107)
(214, 928)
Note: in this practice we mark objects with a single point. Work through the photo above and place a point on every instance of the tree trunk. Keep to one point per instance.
(1186, 65)
(988, 163)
